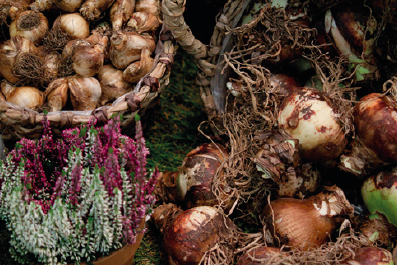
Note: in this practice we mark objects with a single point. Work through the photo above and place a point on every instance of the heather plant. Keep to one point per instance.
(76, 197)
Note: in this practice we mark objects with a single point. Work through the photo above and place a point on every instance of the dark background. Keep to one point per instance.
(200, 17)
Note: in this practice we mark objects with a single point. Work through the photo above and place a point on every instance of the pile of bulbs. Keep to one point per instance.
(307, 145)
(75, 55)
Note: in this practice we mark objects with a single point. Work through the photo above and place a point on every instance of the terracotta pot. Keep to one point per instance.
(124, 255)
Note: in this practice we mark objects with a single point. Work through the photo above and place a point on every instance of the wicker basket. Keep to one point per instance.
(17, 122)
(212, 74)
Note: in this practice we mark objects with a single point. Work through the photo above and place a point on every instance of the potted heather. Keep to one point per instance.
(77, 197)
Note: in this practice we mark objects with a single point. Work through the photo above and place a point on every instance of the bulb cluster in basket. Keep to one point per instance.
(75, 55)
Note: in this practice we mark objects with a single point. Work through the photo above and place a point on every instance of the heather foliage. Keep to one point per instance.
(77, 197)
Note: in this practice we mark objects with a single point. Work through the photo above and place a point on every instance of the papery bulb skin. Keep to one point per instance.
(68, 6)
(31, 25)
(375, 122)
(143, 22)
(112, 83)
(136, 70)
(165, 189)
(10, 51)
(93, 9)
(306, 223)
(377, 229)
(29, 97)
(279, 160)
(85, 92)
(283, 84)
(196, 231)
(370, 256)
(73, 24)
(379, 193)
(120, 13)
(352, 30)
(196, 177)
(126, 47)
(164, 214)
(308, 116)
(11, 9)
(57, 93)
(258, 256)
(7, 88)
(87, 60)
(150, 6)
(51, 63)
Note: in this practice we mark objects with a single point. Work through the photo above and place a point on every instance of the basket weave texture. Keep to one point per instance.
(17, 122)
(211, 76)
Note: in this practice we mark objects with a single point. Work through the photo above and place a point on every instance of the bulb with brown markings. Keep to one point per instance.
(126, 47)
(200, 173)
(85, 92)
(57, 94)
(136, 70)
(375, 122)
(308, 115)
(306, 223)
(196, 231)
(112, 83)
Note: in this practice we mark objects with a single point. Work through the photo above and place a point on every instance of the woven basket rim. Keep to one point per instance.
(208, 57)
(17, 121)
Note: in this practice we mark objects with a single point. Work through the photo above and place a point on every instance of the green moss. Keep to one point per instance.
(172, 132)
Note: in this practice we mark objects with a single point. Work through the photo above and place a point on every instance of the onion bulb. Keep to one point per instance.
(196, 231)
(112, 83)
(51, 63)
(56, 94)
(143, 22)
(279, 161)
(88, 59)
(12, 8)
(120, 13)
(150, 6)
(93, 9)
(165, 188)
(31, 25)
(164, 214)
(85, 92)
(10, 51)
(353, 31)
(62, 5)
(200, 173)
(136, 70)
(375, 122)
(126, 47)
(379, 193)
(377, 229)
(308, 116)
(258, 256)
(306, 223)
(73, 24)
(370, 256)
(25, 96)
(283, 83)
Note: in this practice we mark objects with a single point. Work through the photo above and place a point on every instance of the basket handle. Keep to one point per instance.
(212, 75)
